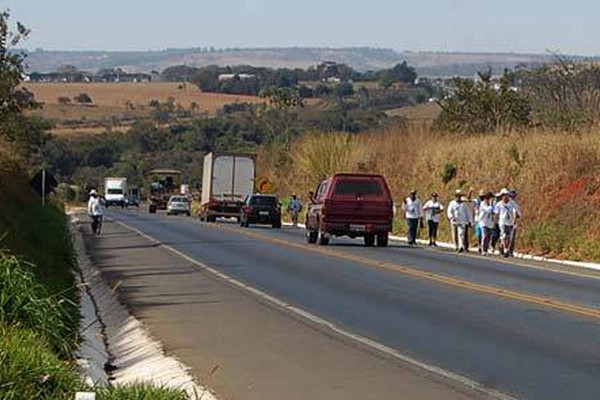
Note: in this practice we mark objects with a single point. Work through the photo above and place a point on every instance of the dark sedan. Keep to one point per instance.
(261, 209)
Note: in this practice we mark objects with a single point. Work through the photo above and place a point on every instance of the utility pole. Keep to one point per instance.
(43, 187)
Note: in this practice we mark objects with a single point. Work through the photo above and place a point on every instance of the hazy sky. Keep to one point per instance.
(468, 25)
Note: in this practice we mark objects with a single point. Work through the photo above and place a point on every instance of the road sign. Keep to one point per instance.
(264, 186)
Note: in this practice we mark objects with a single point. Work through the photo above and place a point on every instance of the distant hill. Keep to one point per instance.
(360, 58)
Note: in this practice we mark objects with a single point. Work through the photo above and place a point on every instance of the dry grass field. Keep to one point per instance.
(421, 112)
(115, 105)
(556, 174)
(119, 95)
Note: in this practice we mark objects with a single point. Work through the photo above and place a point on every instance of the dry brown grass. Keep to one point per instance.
(139, 94)
(554, 172)
(116, 105)
(420, 112)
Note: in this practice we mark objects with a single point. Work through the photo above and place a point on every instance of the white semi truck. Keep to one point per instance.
(115, 191)
(226, 181)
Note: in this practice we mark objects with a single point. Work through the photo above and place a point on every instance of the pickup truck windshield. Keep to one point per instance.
(358, 188)
(114, 191)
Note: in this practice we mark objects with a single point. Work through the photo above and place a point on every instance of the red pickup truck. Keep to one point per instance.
(354, 205)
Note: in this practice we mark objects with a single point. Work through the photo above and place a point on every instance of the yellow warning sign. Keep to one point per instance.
(264, 186)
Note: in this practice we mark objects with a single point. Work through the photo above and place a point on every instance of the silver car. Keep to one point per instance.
(178, 205)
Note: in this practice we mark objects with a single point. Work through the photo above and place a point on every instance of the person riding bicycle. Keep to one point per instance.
(95, 211)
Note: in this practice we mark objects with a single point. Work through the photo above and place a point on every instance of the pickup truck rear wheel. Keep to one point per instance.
(382, 239)
(369, 239)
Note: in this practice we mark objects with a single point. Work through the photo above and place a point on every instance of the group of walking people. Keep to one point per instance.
(493, 216)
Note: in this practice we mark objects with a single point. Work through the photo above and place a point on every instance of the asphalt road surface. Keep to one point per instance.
(512, 327)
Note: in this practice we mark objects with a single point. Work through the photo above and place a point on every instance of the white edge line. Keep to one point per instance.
(469, 383)
(522, 256)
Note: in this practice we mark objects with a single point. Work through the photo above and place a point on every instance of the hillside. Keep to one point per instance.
(360, 58)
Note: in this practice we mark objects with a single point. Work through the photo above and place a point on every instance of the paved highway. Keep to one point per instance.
(516, 328)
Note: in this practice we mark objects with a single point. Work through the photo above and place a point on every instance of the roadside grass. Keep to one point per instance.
(31, 369)
(26, 303)
(556, 175)
(140, 391)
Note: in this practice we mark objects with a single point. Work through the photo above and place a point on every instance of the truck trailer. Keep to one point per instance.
(226, 181)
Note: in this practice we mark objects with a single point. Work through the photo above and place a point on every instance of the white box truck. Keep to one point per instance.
(226, 181)
(115, 191)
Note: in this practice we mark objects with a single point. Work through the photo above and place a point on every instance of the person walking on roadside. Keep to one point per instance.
(513, 239)
(294, 209)
(433, 208)
(94, 209)
(413, 213)
(486, 221)
(462, 218)
(506, 213)
(450, 212)
(478, 228)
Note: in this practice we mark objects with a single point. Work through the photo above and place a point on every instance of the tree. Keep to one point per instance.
(399, 73)
(563, 94)
(26, 133)
(483, 106)
(83, 98)
(64, 100)
(281, 97)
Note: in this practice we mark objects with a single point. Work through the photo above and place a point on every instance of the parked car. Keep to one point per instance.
(178, 205)
(261, 209)
(354, 205)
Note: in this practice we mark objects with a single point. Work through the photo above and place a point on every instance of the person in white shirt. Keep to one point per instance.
(478, 228)
(294, 208)
(486, 220)
(462, 218)
(433, 208)
(413, 213)
(513, 198)
(506, 213)
(450, 211)
(95, 212)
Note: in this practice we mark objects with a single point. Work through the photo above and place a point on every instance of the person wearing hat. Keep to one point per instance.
(450, 213)
(461, 218)
(95, 211)
(294, 208)
(506, 213)
(486, 221)
(433, 208)
(413, 213)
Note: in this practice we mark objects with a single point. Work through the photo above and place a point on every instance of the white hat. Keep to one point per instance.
(458, 192)
(504, 191)
(93, 192)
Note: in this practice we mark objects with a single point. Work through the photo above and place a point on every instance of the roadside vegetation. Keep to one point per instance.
(39, 313)
(555, 173)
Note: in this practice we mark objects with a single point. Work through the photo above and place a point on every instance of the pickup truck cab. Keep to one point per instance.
(354, 205)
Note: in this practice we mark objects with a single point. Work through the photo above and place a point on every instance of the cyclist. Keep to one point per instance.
(95, 211)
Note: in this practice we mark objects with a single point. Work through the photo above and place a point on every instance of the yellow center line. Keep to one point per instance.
(547, 302)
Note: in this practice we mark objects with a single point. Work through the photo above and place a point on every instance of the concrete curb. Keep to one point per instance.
(130, 349)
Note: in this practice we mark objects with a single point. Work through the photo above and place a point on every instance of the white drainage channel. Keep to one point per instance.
(116, 349)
